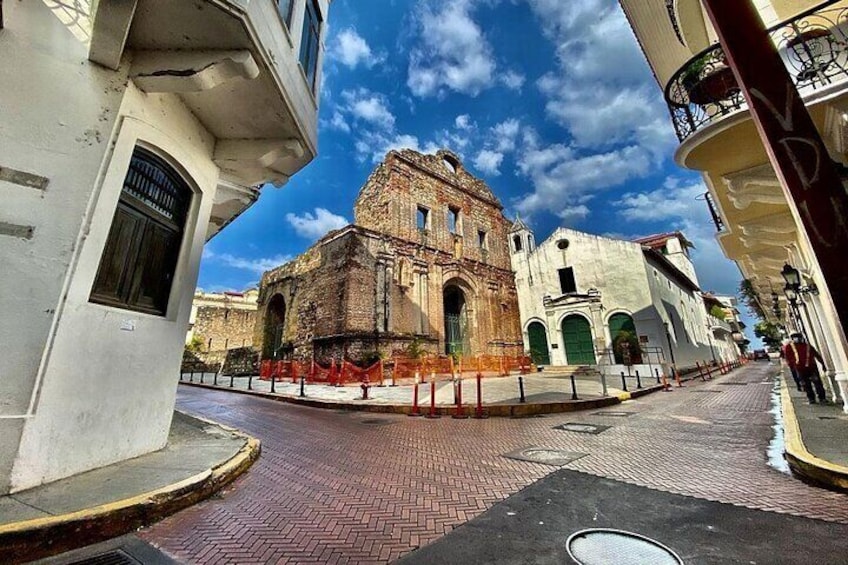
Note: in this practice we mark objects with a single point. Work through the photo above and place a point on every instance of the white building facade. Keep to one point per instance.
(578, 292)
(134, 131)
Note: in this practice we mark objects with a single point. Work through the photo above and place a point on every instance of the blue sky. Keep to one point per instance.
(549, 101)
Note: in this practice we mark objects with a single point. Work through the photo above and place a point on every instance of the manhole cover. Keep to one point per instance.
(582, 428)
(604, 546)
(613, 414)
(545, 456)
(375, 422)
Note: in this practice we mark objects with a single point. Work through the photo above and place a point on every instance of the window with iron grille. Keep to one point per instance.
(310, 42)
(284, 8)
(138, 263)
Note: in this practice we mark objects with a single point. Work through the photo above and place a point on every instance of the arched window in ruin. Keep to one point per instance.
(275, 320)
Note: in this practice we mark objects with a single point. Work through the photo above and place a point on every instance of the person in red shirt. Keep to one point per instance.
(792, 370)
(802, 357)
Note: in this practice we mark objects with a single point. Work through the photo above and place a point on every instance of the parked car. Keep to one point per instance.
(760, 355)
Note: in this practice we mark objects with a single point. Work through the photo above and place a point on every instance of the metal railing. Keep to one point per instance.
(813, 46)
(719, 223)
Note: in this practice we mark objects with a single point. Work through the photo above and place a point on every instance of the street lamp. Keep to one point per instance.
(793, 280)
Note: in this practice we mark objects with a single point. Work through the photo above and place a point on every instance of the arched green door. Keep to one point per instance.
(577, 335)
(619, 323)
(538, 338)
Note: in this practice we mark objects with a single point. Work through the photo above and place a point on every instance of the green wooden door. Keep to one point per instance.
(623, 323)
(577, 335)
(538, 344)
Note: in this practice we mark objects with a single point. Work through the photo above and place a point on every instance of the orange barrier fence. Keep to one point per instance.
(443, 367)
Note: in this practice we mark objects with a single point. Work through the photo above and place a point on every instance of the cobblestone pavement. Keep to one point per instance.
(333, 487)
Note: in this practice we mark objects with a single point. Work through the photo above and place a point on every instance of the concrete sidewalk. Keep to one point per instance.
(201, 458)
(816, 437)
(544, 393)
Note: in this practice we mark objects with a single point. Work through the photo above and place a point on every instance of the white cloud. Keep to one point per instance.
(350, 49)
(464, 122)
(338, 122)
(452, 53)
(513, 80)
(254, 265)
(368, 106)
(681, 206)
(316, 225)
(505, 134)
(488, 162)
(564, 179)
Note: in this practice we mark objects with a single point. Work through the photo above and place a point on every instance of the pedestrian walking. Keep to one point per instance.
(792, 369)
(802, 356)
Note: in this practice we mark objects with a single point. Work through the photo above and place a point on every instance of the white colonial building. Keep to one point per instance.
(132, 132)
(579, 292)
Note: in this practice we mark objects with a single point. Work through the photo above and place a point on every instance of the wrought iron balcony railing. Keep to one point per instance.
(813, 46)
(719, 223)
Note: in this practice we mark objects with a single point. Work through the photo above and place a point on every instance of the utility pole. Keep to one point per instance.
(810, 179)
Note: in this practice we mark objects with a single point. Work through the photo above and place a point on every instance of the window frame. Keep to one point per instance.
(455, 213)
(286, 18)
(517, 243)
(573, 279)
(422, 211)
(482, 239)
(311, 30)
(132, 291)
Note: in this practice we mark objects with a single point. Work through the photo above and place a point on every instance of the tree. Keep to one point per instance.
(718, 312)
(751, 299)
(769, 333)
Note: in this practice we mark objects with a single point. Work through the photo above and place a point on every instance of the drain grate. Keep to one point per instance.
(606, 546)
(582, 428)
(737, 384)
(612, 413)
(701, 390)
(555, 457)
(828, 418)
(116, 557)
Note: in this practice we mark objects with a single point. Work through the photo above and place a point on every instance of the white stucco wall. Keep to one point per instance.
(59, 111)
(626, 281)
(613, 267)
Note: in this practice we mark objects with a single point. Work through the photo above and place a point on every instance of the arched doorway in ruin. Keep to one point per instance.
(275, 320)
(457, 336)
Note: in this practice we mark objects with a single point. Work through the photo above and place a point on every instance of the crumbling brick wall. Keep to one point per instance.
(220, 327)
(379, 284)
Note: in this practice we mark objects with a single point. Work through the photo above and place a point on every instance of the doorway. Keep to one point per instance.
(538, 338)
(577, 335)
(275, 320)
(456, 321)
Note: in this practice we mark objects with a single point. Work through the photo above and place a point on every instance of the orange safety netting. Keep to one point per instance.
(350, 373)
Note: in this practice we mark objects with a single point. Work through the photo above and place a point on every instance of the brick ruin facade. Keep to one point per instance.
(223, 321)
(426, 260)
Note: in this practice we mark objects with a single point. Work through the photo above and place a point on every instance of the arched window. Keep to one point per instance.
(140, 258)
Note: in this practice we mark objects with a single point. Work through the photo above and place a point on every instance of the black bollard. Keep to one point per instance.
(181, 375)
(201, 376)
(231, 380)
(521, 389)
(215, 379)
(250, 382)
(623, 382)
(573, 389)
(273, 383)
(191, 376)
(638, 380)
(302, 385)
(657, 371)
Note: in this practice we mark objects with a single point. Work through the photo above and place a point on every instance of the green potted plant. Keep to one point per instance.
(708, 80)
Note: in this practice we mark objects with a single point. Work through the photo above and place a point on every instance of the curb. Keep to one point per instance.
(492, 410)
(801, 461)
(38, 538)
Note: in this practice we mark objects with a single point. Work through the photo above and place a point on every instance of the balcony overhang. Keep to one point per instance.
(224, 60)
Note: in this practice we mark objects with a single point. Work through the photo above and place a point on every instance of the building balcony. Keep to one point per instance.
(813, 46)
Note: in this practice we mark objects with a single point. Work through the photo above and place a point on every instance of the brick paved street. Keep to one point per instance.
(333, 487)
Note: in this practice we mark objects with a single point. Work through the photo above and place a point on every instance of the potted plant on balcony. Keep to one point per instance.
(708, 79)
